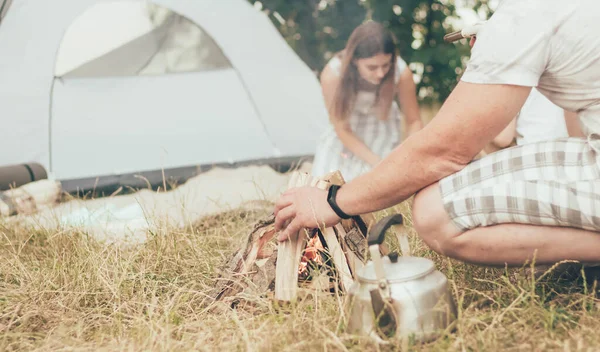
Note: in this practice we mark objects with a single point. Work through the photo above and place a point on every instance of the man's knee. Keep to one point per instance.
(431, 221)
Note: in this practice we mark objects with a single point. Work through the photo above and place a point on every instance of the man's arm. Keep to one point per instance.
(504, 65)
(469, 119)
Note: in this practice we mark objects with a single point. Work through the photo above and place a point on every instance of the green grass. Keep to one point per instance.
(63, 291)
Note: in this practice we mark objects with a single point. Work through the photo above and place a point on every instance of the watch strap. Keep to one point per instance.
(331, 195)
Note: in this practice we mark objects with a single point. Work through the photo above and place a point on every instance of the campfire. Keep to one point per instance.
(265, 267)
(312, 258)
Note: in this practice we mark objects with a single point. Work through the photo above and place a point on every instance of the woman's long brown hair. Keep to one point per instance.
(367, 40)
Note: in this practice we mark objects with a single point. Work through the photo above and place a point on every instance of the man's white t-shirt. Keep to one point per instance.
(553, 45)
(540, 120)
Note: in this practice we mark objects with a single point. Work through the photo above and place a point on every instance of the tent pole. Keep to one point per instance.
(262, 123)
(50, 106)
(4, 2)
(4, 8)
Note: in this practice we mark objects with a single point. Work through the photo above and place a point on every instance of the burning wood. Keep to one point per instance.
(277, 269)
(311, 259)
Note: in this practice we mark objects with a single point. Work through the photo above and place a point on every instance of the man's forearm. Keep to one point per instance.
(408, 169)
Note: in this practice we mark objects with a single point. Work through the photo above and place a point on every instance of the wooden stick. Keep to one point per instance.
(314, 181)
(243, 261)
(335, 250)
(354, 262)
(256, 247)
(339, 259)
(403, 241)
(289, 253)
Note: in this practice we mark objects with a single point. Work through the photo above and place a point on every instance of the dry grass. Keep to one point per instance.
(62, 291)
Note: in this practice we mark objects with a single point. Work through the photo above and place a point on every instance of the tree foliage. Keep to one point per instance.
(316, 29)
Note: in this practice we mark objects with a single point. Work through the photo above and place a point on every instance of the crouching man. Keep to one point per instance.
(539, 199)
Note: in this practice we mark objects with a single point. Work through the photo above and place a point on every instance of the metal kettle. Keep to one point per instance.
(398, 297)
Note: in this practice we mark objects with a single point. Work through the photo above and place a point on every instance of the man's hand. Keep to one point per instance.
(302, 207)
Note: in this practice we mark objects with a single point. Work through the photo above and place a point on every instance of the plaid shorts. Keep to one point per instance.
(552, 183)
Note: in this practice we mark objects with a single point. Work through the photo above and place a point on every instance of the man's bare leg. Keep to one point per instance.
(499, 245)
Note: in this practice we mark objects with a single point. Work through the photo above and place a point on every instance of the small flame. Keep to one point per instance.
(311, 255)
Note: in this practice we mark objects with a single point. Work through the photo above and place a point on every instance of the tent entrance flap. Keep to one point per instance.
(127, 60)
(153, 40)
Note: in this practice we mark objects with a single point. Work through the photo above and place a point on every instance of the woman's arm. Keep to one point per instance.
(329, 81)
(407, 95)
(504, 139)
(573, 126)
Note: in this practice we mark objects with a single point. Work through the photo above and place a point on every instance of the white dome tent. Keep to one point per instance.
(100, 92)
(4, 5)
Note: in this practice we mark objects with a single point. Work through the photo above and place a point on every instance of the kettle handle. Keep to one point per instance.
(375, 239)
(377, 235)
(381, 300)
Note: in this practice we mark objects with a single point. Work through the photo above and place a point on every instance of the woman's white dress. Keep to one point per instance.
(380, 136)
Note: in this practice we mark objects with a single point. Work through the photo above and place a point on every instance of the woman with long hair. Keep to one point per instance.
(359, 86)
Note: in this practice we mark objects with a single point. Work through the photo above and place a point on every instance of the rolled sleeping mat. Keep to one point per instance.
(12, 176)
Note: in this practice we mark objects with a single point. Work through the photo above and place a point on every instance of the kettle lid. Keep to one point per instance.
(399, 269)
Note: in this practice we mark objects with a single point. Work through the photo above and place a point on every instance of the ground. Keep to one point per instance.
(64, 291)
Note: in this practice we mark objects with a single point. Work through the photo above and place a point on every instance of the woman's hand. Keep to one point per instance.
(355, 145)
(303, 207)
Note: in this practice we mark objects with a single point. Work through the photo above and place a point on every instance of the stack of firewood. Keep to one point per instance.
(264, 265)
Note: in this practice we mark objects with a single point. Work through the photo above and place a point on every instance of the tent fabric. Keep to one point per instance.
(77, 126)
(168, 133)
(82, 41)
(158, 41)
(4, 5)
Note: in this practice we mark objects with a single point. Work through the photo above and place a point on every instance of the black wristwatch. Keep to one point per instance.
(332, 203)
